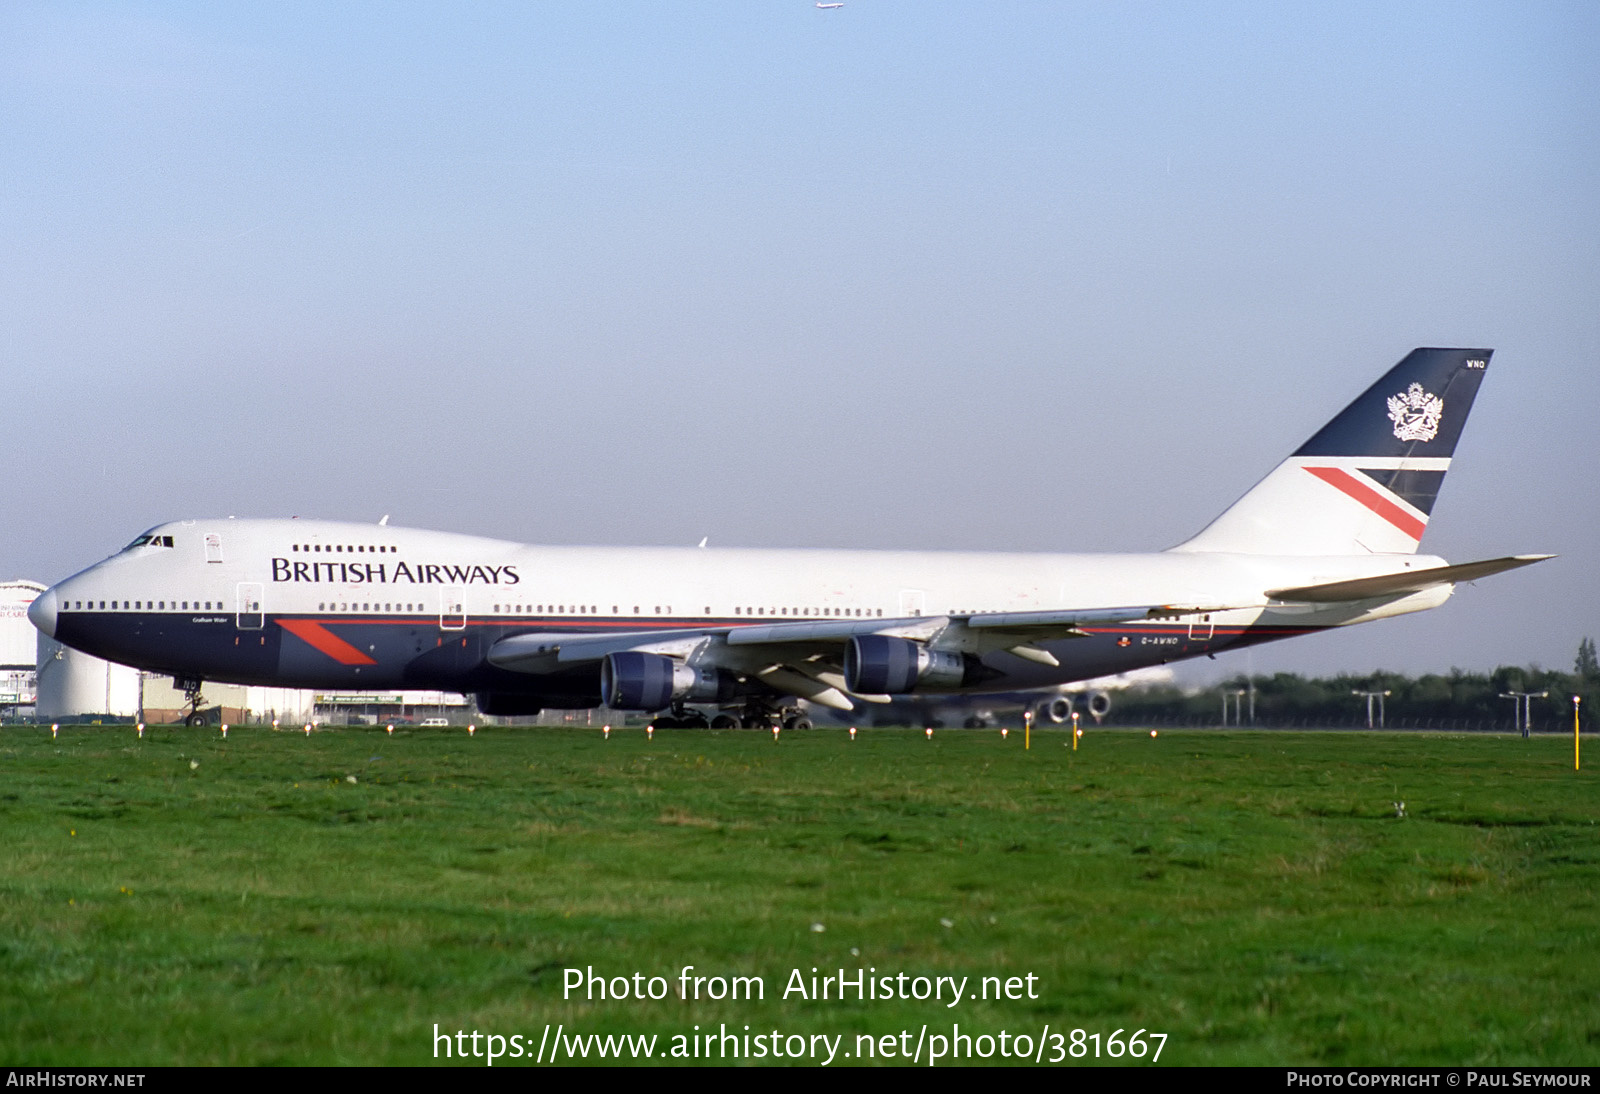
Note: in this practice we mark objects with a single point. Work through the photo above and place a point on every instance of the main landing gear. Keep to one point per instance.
(190, 686)
(680, 717)
(753, 715)
(760, 715)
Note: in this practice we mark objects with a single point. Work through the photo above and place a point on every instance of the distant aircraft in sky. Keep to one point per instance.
(1327, 539)
(829, 7)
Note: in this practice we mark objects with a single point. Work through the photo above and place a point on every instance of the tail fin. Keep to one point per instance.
(1366, 482)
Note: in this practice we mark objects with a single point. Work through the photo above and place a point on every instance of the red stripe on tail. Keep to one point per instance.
(1348, 484)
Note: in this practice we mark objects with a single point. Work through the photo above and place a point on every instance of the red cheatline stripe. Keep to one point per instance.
(312, 632)
(1342, 480)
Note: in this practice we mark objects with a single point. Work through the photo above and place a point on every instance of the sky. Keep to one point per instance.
(1008, 276)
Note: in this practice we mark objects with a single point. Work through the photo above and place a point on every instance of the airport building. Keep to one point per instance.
(238, 704)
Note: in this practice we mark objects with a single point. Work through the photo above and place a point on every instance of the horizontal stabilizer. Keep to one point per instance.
(1402, 584)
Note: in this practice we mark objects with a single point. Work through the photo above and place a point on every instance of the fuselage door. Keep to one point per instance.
(213, 547)
(1201, 630)
(912, 602)
(250, 615)
(452, 609)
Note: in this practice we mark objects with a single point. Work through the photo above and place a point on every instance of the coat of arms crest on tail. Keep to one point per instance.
(1415, 414)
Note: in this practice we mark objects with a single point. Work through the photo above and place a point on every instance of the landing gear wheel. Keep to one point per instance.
(191, 699)
(725, 721)
(799, 721)
(755, 721)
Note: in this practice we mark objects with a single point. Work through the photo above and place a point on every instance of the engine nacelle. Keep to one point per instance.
(1055, 711)
(1099, 705)
(876, 664)
(631, 680)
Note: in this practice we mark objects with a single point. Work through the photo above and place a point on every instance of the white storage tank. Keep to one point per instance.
(16, 633)
(18, 651)
(74, 684)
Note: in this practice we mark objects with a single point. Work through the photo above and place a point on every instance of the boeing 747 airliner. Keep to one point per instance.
(1328, 539)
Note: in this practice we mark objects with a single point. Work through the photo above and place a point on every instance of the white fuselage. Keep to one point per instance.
(326, 604)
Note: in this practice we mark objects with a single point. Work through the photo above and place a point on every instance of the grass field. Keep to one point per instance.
(274, 898)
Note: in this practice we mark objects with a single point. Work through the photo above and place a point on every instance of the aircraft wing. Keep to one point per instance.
(544, 652)
(1051, 624)
(1402, 584)
(805, 657)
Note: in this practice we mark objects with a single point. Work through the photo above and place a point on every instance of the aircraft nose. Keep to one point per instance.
(42, 612)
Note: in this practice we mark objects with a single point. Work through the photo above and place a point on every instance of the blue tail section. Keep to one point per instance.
(1367, 481)
(1417, 409)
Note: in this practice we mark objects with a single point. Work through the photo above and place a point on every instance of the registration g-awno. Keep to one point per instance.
(1328, 539)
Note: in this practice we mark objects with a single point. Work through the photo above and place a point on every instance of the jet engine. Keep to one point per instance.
(631, 680)
(876, 664)
(1055, 711)
(1099, 705)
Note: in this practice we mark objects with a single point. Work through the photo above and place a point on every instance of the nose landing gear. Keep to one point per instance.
(190, 686)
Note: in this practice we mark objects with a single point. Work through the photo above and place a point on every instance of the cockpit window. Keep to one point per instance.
(148, 540)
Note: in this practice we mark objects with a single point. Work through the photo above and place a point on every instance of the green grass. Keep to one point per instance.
(184, 899)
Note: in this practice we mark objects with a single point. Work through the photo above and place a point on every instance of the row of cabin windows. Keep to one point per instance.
(148, 605)
(331, 606)
(826, 613)
(807, 613)
(340, 548)
(558, 609)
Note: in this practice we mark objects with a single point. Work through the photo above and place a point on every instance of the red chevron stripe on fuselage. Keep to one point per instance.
(319, 637)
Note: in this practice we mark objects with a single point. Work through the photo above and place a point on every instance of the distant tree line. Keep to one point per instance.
(1456, 700)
